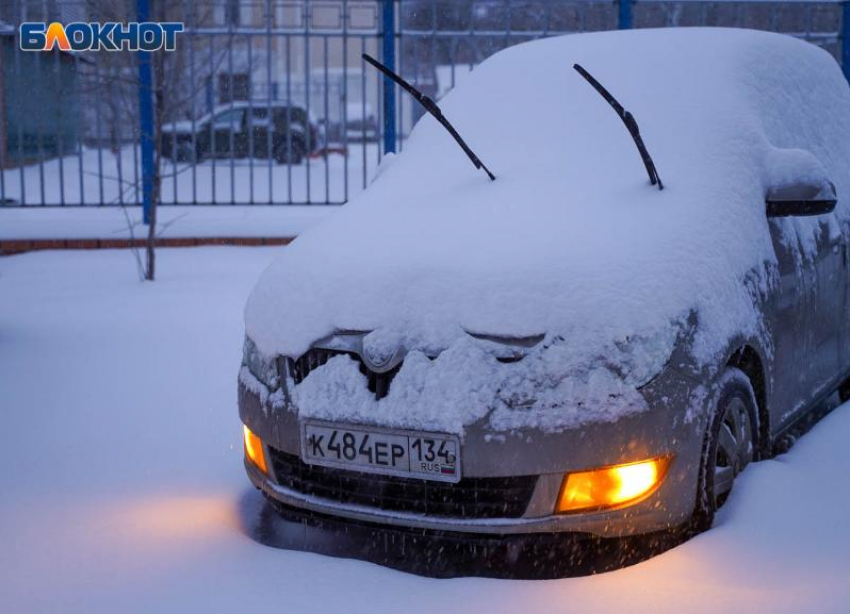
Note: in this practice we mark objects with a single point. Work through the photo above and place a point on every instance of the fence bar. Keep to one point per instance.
(625, 15)
(21, 155)
(146, 118)
(231, 147)
(327, 124)
(345, 99)
(269, 168)
(99, 137)
(115, 120)
(211, 126)
(250, 121)
(60, 142)
(174, 171)
(193, 158)
(845, 38)
(365, 163)
(311, 63)
(388, 57)
(40, 137)
(288, 119)
(308, 20)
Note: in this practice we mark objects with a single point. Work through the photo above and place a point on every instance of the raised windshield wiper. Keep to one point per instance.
(433, 109)
(631, 125)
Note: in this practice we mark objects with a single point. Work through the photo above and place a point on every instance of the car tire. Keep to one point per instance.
(183, 153)
(285, 155)
(730, 444)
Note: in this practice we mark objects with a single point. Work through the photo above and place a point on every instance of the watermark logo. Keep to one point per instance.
(91, 36)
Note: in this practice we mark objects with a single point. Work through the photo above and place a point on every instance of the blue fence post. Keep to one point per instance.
(845, 39)
(145, 117)
(625, 18)
(388, 57)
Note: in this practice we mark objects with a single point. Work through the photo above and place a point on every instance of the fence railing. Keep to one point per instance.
(269, 102)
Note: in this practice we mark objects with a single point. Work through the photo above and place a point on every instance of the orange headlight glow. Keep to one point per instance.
(254, 449)
(616, 486)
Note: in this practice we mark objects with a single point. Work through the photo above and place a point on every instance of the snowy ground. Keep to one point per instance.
(97, 176)
(122, 488)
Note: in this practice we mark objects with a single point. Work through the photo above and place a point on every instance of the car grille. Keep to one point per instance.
(469, 498)
(299, 368)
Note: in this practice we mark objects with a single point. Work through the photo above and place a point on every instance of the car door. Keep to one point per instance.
(789, 309)
(844, 281)
(828, 316)
(292, 124)
(809, 309)
(225, 127)
(260, 134)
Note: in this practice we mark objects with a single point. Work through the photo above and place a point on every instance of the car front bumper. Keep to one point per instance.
(661, 430)
(444, 554)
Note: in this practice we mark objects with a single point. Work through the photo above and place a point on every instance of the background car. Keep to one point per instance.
(242, 130)
(361, 124)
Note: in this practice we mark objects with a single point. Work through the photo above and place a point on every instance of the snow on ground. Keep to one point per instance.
(96, 176)
(122, 487)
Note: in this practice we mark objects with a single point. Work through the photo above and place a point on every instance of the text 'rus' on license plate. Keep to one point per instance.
(430, 456)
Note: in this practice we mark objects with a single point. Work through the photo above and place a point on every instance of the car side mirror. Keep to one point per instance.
(801, 198)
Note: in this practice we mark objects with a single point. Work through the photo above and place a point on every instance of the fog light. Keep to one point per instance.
(254, 449)
(616, 486)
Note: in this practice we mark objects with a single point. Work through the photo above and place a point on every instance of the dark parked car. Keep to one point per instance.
(243, 130)
(360, 125)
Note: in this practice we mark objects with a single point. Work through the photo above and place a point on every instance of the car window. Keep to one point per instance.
(229, 118)
(260, 117)
(296, 115)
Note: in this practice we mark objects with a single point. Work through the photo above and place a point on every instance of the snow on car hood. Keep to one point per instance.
(552, 388)
(570, 240)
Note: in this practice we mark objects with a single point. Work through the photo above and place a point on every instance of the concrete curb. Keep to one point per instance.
(19, 246)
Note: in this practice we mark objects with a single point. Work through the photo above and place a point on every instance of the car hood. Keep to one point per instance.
(570, 240)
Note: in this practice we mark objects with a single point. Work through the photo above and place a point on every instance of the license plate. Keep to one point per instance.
(429, 456)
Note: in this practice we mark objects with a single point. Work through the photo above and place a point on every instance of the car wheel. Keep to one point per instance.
(184, 153)
(286, 154)
(730, 444)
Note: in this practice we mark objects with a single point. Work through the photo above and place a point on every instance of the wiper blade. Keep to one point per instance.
(433, 109)
(631, 125)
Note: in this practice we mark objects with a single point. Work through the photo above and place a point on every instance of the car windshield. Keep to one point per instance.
(226, 119)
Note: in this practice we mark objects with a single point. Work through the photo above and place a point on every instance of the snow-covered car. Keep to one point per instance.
(568, 348)
(243, 129)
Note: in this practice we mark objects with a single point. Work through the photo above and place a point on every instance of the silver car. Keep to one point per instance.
(554, 380)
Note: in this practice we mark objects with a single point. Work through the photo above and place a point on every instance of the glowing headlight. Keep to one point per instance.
(609, 487)
(254, 449)
(263, 367)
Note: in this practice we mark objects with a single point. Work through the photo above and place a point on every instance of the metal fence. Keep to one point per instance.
(269, 102)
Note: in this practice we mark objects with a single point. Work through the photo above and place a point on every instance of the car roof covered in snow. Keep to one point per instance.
(571, 239)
